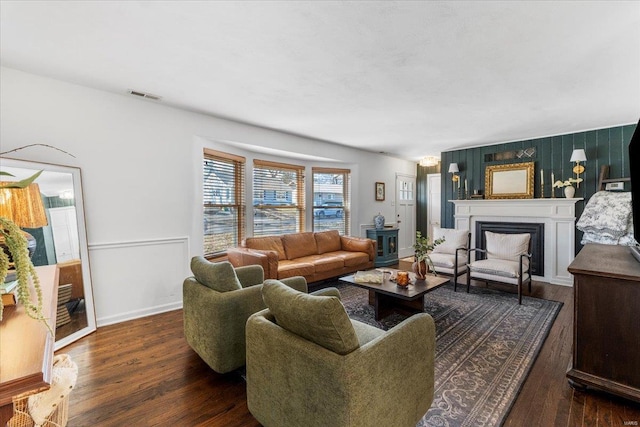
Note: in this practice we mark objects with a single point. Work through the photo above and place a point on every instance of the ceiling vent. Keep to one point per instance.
(145, 95)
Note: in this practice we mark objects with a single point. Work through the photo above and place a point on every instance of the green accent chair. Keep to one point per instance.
(217, 301)
(309, 365)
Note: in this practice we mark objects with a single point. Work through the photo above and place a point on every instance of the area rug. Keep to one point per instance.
(485, 347)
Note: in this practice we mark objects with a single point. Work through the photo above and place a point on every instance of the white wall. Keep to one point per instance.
(141, 171)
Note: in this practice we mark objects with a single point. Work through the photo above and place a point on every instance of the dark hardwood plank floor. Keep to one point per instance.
(143, 373)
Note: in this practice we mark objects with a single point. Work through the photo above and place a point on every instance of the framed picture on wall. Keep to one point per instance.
(511, 181)
(379, 191)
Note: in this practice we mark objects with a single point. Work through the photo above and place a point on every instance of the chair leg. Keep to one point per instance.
(455, 281)
(529, 286)
(520, 290)
(468, 278)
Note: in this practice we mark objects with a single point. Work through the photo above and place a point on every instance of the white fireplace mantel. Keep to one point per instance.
(557, 215)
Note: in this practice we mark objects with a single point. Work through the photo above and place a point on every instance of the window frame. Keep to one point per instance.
(346, 195)
(239, 167)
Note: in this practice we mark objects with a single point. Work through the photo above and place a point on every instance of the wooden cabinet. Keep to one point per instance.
(26, 346)
(387, 245)
(606, 323)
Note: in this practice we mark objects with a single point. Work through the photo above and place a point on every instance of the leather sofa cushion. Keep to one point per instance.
(298, 245)
(267, 243)
(328, 241)
(288, 268)
(219, 276)
(319, 319)
(323, 263)
(351, 259)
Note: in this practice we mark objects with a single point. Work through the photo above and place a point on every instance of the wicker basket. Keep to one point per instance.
(21, 417)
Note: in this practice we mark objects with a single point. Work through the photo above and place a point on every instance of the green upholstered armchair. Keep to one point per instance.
(308, 364)
(216, 304)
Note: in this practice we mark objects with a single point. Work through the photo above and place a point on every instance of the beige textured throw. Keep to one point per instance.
(64, 376)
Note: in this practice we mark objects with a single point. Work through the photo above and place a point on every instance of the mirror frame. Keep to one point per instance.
(82, 239)
(510, 181)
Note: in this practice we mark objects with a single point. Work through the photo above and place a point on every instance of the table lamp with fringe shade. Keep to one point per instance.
(23, 206)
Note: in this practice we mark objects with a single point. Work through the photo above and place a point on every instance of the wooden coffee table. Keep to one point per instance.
(387, 297)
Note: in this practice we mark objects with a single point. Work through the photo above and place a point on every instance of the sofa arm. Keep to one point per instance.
(359, 244)
(240, 257)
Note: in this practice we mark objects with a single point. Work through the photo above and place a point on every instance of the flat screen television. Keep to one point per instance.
(634, 173)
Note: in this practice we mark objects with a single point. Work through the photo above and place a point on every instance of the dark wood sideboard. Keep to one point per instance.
(606, 321)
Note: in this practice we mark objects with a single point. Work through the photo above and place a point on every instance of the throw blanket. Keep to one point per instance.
(64, 376)
(607, 219)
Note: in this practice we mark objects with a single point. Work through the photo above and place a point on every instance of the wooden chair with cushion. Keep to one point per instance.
(506, 259)
(451, 256)
(309, 365)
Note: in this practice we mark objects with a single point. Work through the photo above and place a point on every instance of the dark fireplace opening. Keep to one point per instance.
(537, 239)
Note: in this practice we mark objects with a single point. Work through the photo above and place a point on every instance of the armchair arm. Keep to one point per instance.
(483, 251)
(522, 257)
(250, 275)
(298, 283)
(359, 244)
(239, 257)
(328, 292)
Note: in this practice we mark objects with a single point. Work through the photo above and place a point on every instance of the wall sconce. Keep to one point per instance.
(429, 161)
(578, 156)
(453, 168)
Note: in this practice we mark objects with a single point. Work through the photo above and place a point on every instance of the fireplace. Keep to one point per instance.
(553, 220)
(536, 230)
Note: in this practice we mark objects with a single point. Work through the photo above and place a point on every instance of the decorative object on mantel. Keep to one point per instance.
(569, 190)
(476, 195)
(379, 191)
(422, 248)
(378, 221)
(578, 156)
(542, 183)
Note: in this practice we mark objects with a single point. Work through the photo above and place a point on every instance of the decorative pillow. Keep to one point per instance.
(219, 276)
(319, 319)
(507, 246)
(453, 239)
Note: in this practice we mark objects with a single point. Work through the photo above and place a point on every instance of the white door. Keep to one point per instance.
(433, 202)
(406, 213)
(64, 226)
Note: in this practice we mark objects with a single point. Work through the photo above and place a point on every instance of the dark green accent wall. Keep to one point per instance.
(603, 147)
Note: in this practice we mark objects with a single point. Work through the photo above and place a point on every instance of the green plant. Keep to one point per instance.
(16, 243)
(423, 246)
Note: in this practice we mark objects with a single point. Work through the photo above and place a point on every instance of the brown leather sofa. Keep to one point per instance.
(316, 256)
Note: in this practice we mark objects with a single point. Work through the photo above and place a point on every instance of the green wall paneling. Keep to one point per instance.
(603, 147)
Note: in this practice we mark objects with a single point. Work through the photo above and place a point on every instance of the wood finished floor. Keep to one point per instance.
(143, 373)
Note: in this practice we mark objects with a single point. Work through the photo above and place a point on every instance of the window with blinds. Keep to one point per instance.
(278, 198)
(223, 201)
(331, 199)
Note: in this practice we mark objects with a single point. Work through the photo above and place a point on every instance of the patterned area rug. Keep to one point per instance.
(485, 346)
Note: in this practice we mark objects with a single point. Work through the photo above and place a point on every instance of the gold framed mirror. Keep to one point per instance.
(511, 181)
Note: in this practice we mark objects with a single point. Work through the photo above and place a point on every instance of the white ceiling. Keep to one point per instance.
(407, 78)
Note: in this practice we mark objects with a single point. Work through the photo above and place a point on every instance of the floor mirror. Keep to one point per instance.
(63, 241)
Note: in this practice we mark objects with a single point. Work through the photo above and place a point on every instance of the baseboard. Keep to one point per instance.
(136, 314)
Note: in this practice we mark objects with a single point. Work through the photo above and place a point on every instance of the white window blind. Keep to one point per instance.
(278, 198)
(223, 201)
(331, 200)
